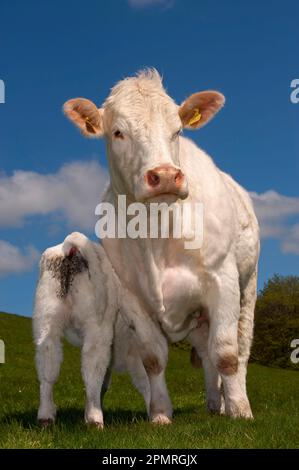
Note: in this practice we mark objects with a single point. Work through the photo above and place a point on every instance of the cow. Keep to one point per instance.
(175, 288)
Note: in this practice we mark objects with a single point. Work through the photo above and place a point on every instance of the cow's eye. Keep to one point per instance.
(176, 134)
(118, 135)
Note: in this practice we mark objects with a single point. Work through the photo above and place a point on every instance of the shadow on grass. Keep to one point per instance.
(70, 417)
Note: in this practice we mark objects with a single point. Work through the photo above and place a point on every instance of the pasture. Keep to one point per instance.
(274, 394)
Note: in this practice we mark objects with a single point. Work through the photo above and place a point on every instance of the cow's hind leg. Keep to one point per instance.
(223, 343)
(245, 329)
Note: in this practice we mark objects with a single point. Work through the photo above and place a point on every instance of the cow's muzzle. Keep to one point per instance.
(166, 180)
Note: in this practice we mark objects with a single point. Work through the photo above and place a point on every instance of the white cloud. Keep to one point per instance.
(276, 214)
(291, 242)
(146, 3)
(74, 191)
(12, 260)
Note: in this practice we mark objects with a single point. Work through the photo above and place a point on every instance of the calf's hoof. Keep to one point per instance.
(161, 420)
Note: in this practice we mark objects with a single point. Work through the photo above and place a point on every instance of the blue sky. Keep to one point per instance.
(51, 177)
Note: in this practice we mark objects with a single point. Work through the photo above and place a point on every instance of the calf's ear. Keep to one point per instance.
(85, 115)
(199, 108)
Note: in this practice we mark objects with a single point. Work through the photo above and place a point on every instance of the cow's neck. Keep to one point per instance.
(146, 258)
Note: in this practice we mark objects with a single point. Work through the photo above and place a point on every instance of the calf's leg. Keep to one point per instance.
(96, 353)
(48, 331)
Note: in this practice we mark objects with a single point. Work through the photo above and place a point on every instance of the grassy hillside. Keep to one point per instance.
(274, 394)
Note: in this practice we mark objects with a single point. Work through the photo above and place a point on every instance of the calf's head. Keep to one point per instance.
(142, 125)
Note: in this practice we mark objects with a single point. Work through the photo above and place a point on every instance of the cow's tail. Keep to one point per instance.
(74, 244)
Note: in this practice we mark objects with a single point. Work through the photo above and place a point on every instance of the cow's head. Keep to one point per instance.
(141, 125)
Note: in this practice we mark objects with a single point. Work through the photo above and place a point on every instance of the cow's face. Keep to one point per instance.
(142, 124)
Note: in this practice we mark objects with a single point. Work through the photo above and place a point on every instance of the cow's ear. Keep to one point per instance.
(85, 115)
(199, 108)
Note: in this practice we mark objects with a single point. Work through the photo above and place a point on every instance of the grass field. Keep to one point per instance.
(274, 395)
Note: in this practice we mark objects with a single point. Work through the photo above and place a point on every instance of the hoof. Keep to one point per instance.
(96, 425)
(216, 407)
(45, 422)
(161, 420)
(240, 410)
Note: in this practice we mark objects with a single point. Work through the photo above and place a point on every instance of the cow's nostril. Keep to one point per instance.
(153, 178)
(178, 177)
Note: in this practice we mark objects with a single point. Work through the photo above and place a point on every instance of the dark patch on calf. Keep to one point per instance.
(152, 365)
(64, 270)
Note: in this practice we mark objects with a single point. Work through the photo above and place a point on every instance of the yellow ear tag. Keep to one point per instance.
(196, 117)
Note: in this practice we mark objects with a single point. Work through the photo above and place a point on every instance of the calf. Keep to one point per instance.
(75, 296)
(78, 295)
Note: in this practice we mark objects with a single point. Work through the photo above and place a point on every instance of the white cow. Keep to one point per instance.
(78, 295)
(150, 162)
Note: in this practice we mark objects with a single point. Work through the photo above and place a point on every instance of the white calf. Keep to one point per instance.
(77, 295)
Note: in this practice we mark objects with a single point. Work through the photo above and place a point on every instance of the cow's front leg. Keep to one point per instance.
(153, 349)
(139, 375)
(223, 342)
(214, 397)
(160, 409)
(96, 352)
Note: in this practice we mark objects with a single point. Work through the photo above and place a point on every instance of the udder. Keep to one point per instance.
(182, 300)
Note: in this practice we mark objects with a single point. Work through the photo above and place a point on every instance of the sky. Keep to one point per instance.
(51, 177)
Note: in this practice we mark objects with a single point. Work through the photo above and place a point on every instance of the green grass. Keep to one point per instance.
(274, 395)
